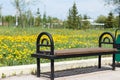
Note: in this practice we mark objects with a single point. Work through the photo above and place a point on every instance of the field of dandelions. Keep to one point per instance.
(17, 44)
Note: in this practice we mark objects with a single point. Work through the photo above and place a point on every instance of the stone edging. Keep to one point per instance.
(27, 69)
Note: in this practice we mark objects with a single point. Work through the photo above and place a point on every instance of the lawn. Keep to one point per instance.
(17, 44)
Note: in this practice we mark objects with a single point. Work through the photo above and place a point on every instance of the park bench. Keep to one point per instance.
(51, 54)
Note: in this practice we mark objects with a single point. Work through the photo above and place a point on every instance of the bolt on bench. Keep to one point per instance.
(52, 54)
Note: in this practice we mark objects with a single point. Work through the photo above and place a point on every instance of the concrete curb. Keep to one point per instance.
(45, 67)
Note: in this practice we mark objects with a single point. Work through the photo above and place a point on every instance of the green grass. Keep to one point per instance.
(11, 31)
(17, 44)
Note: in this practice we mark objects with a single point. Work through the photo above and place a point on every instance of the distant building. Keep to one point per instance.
(98, 25)
(94, 24)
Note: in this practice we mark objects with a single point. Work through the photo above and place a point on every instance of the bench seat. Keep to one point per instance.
(76, 51)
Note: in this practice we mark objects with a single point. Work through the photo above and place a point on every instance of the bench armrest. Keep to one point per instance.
(106, 38)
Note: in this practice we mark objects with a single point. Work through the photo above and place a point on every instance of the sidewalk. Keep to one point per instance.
(45, 67)
(68, 70)
(90, 73)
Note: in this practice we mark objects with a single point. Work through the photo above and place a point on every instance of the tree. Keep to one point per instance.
(69, 21)
(38, 18)
(85, 17)
(109, 21)
(28, 19)
(116, 4)
(73, 18)
(8, 20)
(0, 14)
(85, 22)
(21, 7)
(101, 19)
(44, 19)
(113, 2)
(49, 19)
(116, 23)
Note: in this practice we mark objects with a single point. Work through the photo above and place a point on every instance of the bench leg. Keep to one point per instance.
(99, 61)
(113, 63)
(52, 69)
(38, 67)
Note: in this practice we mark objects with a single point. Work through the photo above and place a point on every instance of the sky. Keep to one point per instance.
(60, 8)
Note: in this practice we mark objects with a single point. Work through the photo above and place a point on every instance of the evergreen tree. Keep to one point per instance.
(85, 17)
(0, 14)
(44, 20)
(109, 21)
(69, 21)
(116, 4)
(49, 19)
(73, 18)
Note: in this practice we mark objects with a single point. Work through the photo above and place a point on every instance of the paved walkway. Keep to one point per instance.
(90, 73)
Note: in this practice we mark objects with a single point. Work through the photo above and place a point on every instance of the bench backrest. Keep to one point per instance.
(107, 38)
(45, 40)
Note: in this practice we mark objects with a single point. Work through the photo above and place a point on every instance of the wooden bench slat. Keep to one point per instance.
(83, 51)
